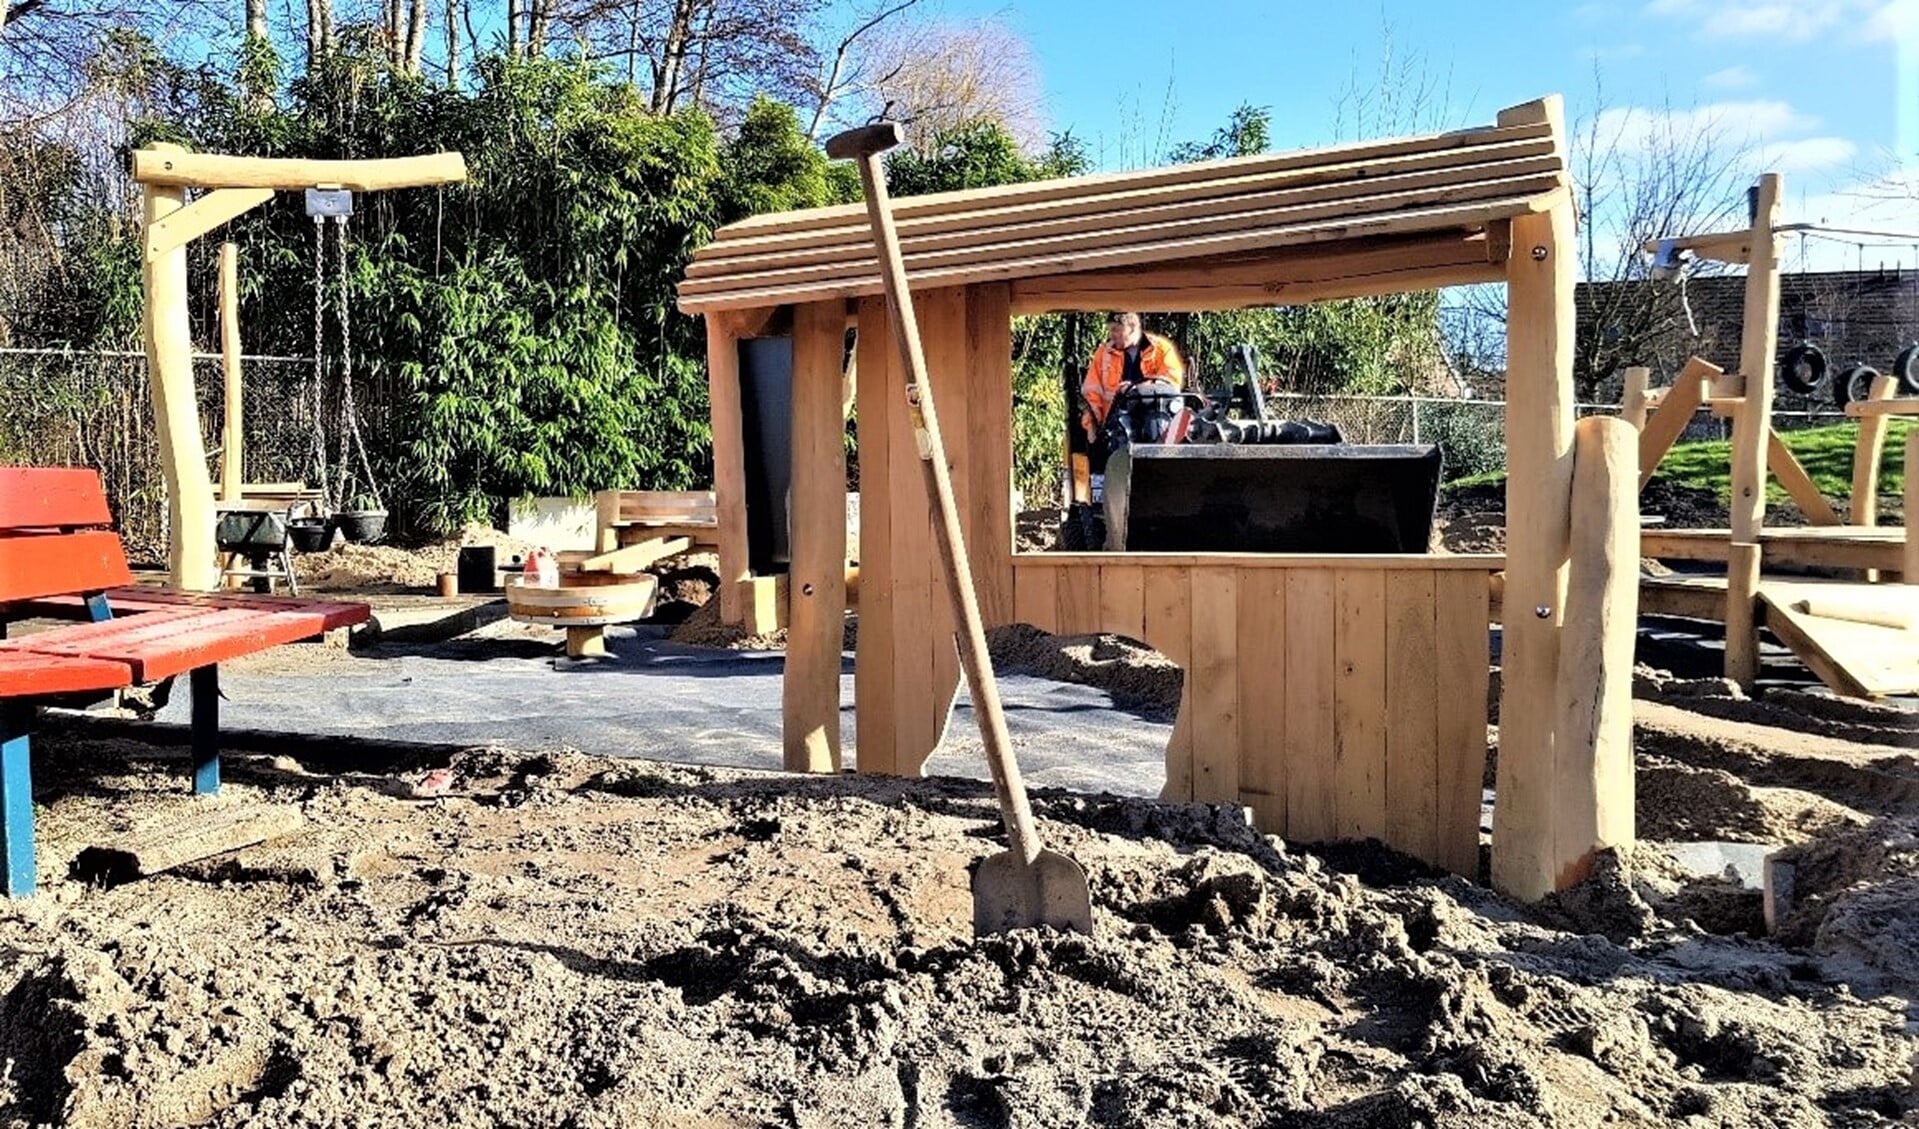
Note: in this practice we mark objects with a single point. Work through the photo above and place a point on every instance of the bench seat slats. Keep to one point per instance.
(24, 674)
(138, 599)
(46, 564)
(159, 644)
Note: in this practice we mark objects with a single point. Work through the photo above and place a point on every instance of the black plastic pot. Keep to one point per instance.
(310, 534)
(361, 525)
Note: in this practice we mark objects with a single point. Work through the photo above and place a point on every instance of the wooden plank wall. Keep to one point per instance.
(907, 669)
(1335, 702)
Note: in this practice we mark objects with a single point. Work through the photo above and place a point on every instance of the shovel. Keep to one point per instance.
(1029, 885)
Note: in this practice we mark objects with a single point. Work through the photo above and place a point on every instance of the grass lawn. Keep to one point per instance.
(1826, 453)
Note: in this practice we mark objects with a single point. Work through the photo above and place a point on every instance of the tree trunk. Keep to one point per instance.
(415, 36)
(667, 71)
(256, 19)
(538, 15)
(319, 31)
(452, 44)
(512, 27)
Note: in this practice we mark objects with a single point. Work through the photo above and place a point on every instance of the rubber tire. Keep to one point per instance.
(1854, 384)
(1813, 358)
(1906, 370)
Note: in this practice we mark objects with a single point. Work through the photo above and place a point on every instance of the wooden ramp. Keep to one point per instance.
(1862, 660)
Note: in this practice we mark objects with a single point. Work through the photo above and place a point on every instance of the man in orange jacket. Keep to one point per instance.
(1129, 355)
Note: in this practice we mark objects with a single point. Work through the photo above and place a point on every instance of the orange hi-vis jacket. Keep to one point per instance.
(1158, 359)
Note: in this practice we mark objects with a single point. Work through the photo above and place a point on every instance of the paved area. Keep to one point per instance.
(657, 699)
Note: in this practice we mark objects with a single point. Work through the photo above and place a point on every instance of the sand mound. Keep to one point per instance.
(567, 941)
(356, 567)
(1137, 676)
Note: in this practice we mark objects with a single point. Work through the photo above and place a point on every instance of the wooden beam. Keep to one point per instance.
(1148, 293)
(1096, 217)
(1632, 396)
(1391, 562)
(1448, 217)
(1087, 239)
(1592, 736)
(729, 465)
(232, 424)
(1723, 247)
(1799, 486)
(816, 581)
(203, 215)
(1539, 433)
(634, 557)
(1910, 568)
(1901, 406)
(1674, 415)
(183, 457)
(913, 209)
(1868, 451)
(171, 166)
(1757, 346)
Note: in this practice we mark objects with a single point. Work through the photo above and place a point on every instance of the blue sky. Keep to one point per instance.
(1824, 91)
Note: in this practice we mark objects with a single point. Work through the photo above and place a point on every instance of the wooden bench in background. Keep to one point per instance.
(59, 560)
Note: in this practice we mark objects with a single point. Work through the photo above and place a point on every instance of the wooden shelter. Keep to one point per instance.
(1335, 696)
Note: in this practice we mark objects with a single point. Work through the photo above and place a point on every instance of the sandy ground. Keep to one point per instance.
(565, 941)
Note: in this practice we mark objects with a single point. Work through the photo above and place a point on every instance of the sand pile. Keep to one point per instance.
(567, 941)
(351, 566)
(1138, 677)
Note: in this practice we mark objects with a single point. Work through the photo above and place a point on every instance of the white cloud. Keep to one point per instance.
(1807, 154)
(1767, 134)
(1737, 77)
(1792, 21)
(1888, 203)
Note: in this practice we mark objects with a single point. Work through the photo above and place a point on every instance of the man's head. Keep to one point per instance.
(1123, 330)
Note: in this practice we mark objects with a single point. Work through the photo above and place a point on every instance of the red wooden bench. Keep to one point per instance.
(58, 560)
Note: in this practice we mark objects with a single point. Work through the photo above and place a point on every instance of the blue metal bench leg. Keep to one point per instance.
(97, 609)
(206, 729)
(16, 798)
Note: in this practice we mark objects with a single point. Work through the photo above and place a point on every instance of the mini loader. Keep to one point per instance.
(1189, 473)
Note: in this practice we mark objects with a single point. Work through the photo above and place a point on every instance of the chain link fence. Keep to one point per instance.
(93, 409)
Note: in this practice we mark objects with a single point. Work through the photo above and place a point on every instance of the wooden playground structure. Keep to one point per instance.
(1849, 627)
(1336, 696)
(229, 188)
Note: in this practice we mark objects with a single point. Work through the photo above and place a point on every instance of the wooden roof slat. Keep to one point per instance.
(1442, 185)
(993, 247)
(907, 208)
(1463, 217)
(858, 253)
(728, 245)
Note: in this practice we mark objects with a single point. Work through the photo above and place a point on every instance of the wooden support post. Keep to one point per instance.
(205, 682)
(816, 580)
(232, 426)
(16, 798)
(1910, 570)
(1868, 452)
(183, 455)
(1632, 397)
(586, 642)
(1592, 737)
(729, 463)
(606, 516)
(1539, 433)
(1757, 346)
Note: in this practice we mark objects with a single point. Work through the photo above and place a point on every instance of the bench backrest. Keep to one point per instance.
(51, 538)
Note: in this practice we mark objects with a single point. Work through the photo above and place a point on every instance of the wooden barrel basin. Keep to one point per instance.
(583, 599)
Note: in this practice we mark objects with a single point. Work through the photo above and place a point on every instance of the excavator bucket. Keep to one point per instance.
(1271, 498)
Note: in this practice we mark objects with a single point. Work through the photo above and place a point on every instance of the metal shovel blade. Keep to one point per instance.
(1008, 893)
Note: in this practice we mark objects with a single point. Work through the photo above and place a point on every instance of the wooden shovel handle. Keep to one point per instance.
(865, 145)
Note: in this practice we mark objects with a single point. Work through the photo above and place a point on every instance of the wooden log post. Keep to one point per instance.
(1910, 570)
(729, 463)
(1592, 735)
(1632, 397)
(232, 424)
(1868, 452)
(183, 455)
(1751, 427)
(1539, 432)
(816, 580)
